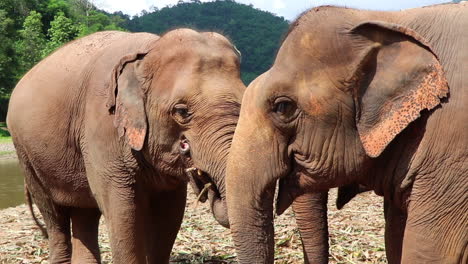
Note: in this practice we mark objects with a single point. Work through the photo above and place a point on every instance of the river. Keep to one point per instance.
(11, 184)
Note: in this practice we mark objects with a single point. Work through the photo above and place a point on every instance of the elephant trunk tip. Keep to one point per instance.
(219, 209)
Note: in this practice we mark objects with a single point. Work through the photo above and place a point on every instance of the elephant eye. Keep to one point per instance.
(181, 113)
(285, 109)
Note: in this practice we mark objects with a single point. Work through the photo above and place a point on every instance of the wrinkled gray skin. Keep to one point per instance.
(110, 123)
(375, 98)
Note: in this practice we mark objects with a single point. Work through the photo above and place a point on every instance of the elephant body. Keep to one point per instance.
(366, 97)
(110, 123)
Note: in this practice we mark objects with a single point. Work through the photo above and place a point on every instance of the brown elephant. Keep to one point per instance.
(110, 123)
(126, 115)
(376, 98)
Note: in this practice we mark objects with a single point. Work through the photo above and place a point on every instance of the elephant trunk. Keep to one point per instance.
(251, 221)
(217, 195)
(219, 209)
(252, 171)
(311, 216)
(213, 148)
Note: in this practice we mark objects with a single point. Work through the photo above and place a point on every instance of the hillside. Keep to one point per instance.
(257, 34)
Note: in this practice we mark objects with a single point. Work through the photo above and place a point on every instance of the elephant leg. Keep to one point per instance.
(85, 225)
(429, 238)
(167, 211)
(56, 218)
(311, 217)
(395, 222)
(120, 213)
(57, 222)
(115, 194)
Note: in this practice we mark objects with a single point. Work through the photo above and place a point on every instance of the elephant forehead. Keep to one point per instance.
(191, 41)
(186, 83)
(198, 58)
(255, 96)
(314, 48)
(307, 41)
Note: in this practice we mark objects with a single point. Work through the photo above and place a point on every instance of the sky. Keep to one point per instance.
(288, 9)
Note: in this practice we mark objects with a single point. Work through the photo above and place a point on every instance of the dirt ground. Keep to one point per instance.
(356, 235)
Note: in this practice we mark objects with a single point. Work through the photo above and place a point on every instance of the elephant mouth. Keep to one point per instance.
(289, 187)
(200, 181)
(205, 189)
(201, 184)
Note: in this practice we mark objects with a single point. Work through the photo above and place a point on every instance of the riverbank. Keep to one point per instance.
(7, 150)
(356, 235)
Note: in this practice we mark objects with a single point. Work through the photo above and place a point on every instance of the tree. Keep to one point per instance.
(61, 31)
(57, 6)
(23, 28)
(99, 21)
(31, 43)
(8, 65)
(86, 5)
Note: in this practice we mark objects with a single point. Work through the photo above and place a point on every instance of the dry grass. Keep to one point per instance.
(356, 236)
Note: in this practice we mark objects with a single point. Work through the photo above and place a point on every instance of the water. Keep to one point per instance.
(11, 184)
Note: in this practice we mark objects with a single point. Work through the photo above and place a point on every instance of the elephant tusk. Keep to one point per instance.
(199, 172)
(189, 170)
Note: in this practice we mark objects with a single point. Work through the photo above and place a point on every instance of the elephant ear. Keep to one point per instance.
(397, 77)
(126, 100)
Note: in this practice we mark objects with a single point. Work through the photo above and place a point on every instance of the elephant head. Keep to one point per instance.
(340, 90)
(176, 104)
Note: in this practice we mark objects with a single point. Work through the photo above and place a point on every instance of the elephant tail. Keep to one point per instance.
(31, 209)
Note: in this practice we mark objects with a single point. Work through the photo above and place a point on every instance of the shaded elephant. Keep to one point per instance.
(376, 98)
(110, 123)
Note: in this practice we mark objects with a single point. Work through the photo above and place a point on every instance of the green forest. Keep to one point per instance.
(31, 29)
(257, 34)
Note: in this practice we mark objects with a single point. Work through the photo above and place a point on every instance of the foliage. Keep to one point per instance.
(8, 65)
(32, 41)
(3, 108)
(257, 34)
(31, 29)
(4, 133)
(61, 31)
(98, 21)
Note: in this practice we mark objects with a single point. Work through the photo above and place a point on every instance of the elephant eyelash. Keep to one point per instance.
(184, 112)
(181, 113)
(284, 109)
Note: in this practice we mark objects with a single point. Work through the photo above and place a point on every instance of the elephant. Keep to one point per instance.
(129, 120)
(368, 97)
(110, 123)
